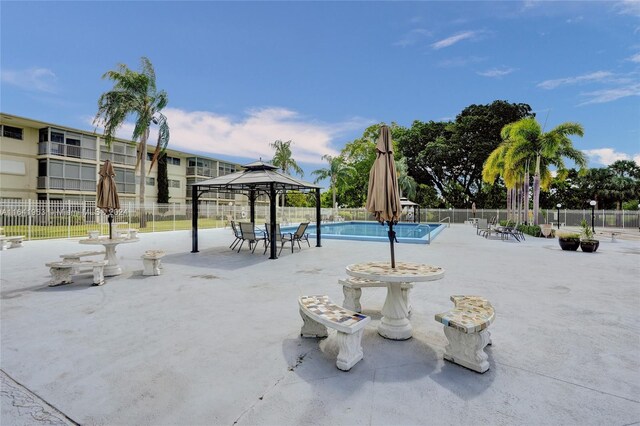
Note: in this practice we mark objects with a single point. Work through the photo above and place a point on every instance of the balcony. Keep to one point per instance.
(200, 171)
(63, 150)
(45, 182)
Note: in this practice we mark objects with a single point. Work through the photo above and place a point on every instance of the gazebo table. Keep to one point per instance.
(395, 324)
(112, 268)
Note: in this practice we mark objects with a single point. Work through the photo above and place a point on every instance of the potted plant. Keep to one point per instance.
(587, 243)
(546, 230)
(568, 240)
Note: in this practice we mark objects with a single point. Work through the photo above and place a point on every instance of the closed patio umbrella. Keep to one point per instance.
(107, 193)
(383, 197)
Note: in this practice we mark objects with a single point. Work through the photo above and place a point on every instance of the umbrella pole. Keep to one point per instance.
(110, 220)
(392, 237)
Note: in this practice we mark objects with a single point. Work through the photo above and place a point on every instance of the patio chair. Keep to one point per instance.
(249, 234)
(482, 226)
(268, 238)
(237, 234)
(297, 236)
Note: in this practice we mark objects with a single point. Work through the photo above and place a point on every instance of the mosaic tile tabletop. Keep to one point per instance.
(471, 314)
(403, 272)
(321, 305)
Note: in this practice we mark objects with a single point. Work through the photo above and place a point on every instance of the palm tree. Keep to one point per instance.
(284, 161)
(529, 144)
(406, 183)
(338, 171)
(134, 94)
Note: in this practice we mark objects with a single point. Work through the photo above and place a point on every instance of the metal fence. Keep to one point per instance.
(42, 219)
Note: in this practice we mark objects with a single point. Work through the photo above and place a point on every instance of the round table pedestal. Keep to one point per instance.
(112, 268)
(395, 324)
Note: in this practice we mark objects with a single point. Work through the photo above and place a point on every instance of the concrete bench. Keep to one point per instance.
(352, 290)
(466, 328)
(61, 271)
(318, 313)
(613, 236)
(77, 257)
(152, 261)
(14, 242)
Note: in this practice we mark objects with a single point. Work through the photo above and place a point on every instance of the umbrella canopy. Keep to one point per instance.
(107, 192)
(383, 196)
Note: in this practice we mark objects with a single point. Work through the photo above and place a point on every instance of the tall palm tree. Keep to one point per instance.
(406, 183)
(529, 144)
(134, 94)
(337, 172)
(284, 161)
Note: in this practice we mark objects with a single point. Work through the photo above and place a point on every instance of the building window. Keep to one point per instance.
(12, 132)
(173, 183)
(151, 181)
(173, 160)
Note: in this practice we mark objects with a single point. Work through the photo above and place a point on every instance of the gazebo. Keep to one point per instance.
(257, 178)
(404, 202)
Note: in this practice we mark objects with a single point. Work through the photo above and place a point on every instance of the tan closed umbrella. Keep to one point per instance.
(383, 197)
(107, 193)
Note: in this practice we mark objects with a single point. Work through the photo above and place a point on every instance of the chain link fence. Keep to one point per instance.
(67, 219)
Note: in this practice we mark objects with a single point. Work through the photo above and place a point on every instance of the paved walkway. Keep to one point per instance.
(215, 340)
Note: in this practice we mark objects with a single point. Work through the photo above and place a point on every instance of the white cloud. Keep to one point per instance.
(497, 72)
(412, 37)
(449, 41)
(636, 158)
(586, 78)
(249, 136)
(574, 20)
(628, 7)
(35, 79)
(608, 156)
(460, 61)
(612, 94)
(634, 58)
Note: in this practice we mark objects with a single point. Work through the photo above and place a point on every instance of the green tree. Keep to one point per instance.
(530, 145)
(134, 94)
(360, 154)
(407, 184)
(625, 182)
(450, 155)
(337, 172)
(283, 159)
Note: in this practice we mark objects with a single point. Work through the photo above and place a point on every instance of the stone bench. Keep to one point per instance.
(152, 261)
(61, 271)
(352, 290)
(77, 257)
(613, 236)
(466, 328)
(14, 242)
(318, 313)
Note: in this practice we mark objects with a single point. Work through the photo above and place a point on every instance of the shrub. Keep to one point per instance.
(533, 230)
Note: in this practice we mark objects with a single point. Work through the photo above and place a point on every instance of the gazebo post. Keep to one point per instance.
(318, 219)
(194, 219)
(272, 220)
(252, 206)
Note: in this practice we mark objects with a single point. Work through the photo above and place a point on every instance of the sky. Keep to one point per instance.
(241, 75)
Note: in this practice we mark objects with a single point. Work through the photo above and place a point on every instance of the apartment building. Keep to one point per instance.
(45, 161)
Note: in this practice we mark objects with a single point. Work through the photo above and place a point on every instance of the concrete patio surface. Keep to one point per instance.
(215, 339)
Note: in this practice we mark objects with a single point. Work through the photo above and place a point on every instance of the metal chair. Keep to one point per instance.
(297, 236)
(249, 234)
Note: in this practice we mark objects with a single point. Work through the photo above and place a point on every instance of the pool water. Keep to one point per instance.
(413, 233)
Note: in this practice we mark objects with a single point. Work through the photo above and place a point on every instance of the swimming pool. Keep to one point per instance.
(412, 233)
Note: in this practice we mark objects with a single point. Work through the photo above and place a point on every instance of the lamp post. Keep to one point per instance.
(558, 206)
(593, 215)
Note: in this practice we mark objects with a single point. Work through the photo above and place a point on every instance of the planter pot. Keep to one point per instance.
(571, 244)
(589, 246)
(546, 230)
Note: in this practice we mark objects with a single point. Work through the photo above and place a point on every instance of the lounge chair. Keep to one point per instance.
(237, 234)
(249, 234)
(268, 238)
(297, 236)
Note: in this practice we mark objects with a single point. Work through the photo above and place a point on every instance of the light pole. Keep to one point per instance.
(558, 206)
(593, 215)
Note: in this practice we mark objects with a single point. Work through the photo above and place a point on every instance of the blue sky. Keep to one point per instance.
(241, 75)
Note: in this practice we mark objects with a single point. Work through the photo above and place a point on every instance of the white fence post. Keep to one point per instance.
(29, 220)
(174, 216)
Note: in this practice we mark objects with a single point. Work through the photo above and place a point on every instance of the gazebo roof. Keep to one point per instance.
(405, 202)
(256, 176)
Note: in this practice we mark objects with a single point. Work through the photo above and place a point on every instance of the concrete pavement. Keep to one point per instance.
(215, 340)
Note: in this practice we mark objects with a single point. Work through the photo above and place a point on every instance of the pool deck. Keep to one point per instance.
(215, 339)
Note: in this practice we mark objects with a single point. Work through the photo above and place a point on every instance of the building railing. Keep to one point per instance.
(67, 219)
(64, 150)
(46, 182)
(200, 171)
